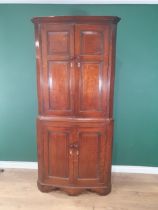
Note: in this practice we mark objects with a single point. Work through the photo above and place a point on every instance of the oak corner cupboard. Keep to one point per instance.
(75, 58)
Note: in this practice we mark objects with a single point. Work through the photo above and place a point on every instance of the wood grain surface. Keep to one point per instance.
(75, 78)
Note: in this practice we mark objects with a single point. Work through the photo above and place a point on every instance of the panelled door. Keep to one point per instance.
(57, 81)
(74, 69)
(57, 160)
(91, 51)
(90, 157)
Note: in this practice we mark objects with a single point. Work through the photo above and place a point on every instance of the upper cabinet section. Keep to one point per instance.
(75, 65)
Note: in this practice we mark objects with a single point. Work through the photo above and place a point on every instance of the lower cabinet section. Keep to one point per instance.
(74, 156)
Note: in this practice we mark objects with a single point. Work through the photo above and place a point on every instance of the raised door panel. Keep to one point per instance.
(59, 86)
(58, 154)
(92, 53)
(90, 90)
(57, 70)
(58, 43)
(53, 153)
(91, 41)
(90, 159)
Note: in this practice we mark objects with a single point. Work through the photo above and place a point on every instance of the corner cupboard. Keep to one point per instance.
(75, 58)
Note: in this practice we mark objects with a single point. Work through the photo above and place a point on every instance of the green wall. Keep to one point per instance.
(136, 82)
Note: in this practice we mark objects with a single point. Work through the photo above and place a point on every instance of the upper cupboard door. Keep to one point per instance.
(92, 54)
(57, 81)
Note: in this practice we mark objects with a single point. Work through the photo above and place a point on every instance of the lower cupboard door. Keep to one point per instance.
(90, 158)
(55, 166)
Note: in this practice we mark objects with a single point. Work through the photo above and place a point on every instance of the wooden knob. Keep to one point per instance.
(70, 151)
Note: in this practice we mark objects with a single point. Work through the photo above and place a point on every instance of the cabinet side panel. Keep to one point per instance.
(40, 152)
(37, 28)
(109, 147)
(111, 70)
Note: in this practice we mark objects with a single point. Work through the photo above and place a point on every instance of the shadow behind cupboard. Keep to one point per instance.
(75, 59)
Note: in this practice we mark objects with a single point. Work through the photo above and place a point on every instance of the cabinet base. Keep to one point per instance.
(45, 188)
(74, 190)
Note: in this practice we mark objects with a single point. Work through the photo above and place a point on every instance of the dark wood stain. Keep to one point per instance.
(75, 59)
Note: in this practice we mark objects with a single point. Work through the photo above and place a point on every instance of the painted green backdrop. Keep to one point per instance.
(136, 81)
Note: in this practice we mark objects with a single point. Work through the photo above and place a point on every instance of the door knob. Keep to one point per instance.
(78, 65)
(77, 152)
(70, 152)
(78, 61)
